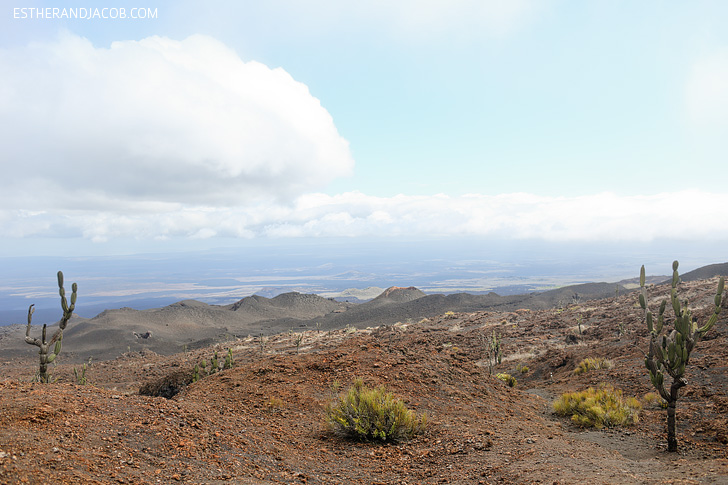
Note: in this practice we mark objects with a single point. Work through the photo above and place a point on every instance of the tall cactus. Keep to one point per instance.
(47, 357)
(493, 350)
(669, 353)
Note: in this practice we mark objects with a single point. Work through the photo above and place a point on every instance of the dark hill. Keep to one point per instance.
(396, 294)
(375, 313)
(286, 305)
(706, 272)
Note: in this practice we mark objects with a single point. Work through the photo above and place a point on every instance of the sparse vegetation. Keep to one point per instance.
(670, 353)
(507, 378)
(598, 408)
(273, 405)
(214, 363)
(592, 363)
(80, 377)
(201, 370)
(47, 356)
(229, 362)
(373, 415)
(297, 339)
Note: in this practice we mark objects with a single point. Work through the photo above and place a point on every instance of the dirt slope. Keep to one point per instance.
(261, 422)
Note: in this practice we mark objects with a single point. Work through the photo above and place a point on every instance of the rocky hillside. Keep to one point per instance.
(261, 421)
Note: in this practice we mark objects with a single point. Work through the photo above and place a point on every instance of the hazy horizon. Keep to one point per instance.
(325, 267)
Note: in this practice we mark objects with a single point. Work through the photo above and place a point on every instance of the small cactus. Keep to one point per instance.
(80, 376)
(47, 356)
(669, 353)
(494, 352)
(298, 340)
(229, 360)
(214, 367)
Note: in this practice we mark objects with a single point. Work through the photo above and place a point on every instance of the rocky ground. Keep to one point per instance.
(263, 422)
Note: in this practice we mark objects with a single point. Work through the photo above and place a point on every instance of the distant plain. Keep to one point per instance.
(327, 268)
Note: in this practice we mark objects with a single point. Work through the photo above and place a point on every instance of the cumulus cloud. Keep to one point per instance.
(157, 121)
(606, 217)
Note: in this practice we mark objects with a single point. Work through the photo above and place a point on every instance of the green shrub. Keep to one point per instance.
(598, 407)
(593, 363)
(373, 414)
(508, 379)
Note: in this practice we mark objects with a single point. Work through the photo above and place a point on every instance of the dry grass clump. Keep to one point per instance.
(598, 407)
(592, 363)
(373, 415)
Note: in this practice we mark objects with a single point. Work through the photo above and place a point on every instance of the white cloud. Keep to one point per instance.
(157, 121)
(606, 217)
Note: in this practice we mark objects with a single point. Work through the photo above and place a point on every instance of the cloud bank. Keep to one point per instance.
(606, 217)
(157, 121)
(160, 139)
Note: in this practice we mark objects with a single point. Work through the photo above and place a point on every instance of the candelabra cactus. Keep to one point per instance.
(669, 353)
(46, 355)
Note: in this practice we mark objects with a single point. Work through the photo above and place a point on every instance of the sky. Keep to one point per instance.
(210, 123)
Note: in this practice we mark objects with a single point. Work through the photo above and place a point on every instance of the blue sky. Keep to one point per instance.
(222, 121)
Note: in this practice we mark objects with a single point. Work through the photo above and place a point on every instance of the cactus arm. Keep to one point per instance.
(714, 317)
(67, 310)
(28, 339)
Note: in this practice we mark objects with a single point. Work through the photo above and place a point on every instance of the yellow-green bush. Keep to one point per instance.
(592, 363)
(598, 408)
(508, 379)
(373, 414)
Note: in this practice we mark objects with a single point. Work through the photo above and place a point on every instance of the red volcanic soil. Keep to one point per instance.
(263, 421)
